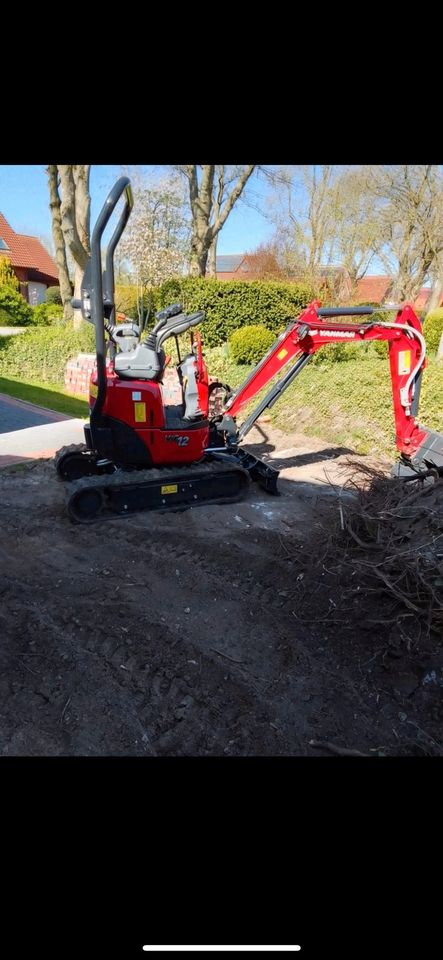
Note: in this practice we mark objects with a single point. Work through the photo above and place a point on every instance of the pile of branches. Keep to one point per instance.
(392, 532)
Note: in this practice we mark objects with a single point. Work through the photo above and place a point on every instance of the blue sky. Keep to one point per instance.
(24, 203)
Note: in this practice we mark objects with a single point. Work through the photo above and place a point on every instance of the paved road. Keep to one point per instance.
(29, 432)
(16, 415)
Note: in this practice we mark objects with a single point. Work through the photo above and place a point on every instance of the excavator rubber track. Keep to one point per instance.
(166, 489)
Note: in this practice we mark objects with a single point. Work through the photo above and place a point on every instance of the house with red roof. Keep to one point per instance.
(376, 289)
(32, 264)
(233, 266)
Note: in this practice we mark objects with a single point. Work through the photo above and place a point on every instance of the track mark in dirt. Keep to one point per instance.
(184, 633)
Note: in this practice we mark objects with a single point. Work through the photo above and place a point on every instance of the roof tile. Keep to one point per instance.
(25, 251)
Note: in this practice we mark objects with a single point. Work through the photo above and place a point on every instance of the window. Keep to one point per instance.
(3, 245)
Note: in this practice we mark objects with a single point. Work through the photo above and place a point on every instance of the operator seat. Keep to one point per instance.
(147, 360)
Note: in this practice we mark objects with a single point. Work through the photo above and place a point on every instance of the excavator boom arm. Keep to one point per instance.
(315, 328)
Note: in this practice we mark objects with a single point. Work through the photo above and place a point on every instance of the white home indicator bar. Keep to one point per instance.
(200, 949)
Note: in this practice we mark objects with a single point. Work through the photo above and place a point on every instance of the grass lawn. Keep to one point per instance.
(51, 395)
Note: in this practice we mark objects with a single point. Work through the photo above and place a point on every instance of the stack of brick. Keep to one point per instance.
(78, 373)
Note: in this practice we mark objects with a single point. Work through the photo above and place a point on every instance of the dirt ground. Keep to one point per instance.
(217, 631)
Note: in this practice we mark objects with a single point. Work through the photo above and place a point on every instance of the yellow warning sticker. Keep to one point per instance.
(404, 361)
(283, 353)
(171, 488)
(140, 412)
(93, 390)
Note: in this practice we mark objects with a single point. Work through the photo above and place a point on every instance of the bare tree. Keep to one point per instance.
(324, 218)
(409, 198)
(225, 177)
(303, 209)
(59, 241)
(211, 205)
(219, 196)
(356, 236)
(70, 208)
(263, 262)
(75, 212)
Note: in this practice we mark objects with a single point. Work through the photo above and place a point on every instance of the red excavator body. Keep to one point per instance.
(143, 453)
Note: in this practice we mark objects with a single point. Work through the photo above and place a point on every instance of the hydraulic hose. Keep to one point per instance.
(404, 391)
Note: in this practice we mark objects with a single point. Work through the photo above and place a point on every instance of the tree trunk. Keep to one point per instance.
(194, 267)
(218, 202)
(212, 259)
(202, 203)
(408, 287)
(78, 277)
(69, 217)
(59, 242)
(83, 204)
(75, 215)
(199, 256)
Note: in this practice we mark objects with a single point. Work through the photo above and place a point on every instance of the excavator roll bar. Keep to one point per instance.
(97, 292)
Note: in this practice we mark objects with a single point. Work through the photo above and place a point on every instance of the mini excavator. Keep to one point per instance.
(143, 453)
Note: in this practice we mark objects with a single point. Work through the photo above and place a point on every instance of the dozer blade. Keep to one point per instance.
(260, 472)
(122, 493)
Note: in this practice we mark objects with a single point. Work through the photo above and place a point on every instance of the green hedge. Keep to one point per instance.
(14, 311)
(53, 295)
(249, 344)
(231, 304)
(42, 353)
(433, 329)
(47, 314)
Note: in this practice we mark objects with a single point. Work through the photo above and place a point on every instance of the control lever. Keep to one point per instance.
(169, 312)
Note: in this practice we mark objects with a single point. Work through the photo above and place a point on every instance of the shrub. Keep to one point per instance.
(249, 344)
(42, 353)
(232, 304)
(46, 314)
(14, 311)
(53, 295)
(332, 353)
(7, 274)
(380, 348)
(433, 329)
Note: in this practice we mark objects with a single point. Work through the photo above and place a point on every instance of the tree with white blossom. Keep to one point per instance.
(156, 242)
